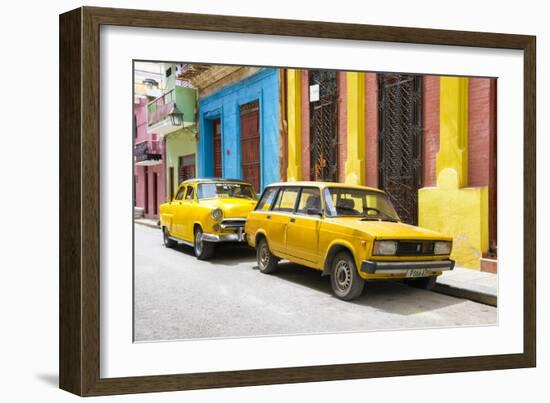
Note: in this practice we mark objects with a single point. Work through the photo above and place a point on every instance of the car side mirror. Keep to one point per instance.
(315, 211)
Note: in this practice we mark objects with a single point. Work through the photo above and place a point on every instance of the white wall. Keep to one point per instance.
(29, 282)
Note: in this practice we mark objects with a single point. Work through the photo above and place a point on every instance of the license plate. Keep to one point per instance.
(418, 272)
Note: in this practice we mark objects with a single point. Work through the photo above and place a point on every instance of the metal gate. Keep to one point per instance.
(324, 127)
(400, 141)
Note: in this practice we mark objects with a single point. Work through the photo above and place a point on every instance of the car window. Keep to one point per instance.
(309, 199)
(286, 200)
(267, 199)
(190, 193)
(365, 203)
(225, 190)
(179, 195)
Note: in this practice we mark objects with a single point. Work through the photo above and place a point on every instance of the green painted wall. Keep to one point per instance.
(178, 144)
(186, 101)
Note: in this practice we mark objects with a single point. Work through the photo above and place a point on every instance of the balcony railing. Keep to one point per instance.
(148, 152)
(159, 108)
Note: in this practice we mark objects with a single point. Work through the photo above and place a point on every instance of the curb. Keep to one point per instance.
(147, 224)
(477, 296)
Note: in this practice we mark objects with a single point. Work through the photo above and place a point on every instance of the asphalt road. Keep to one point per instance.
(180, 297)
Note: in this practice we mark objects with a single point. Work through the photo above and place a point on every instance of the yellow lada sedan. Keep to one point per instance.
(351, 233)
(207, 211)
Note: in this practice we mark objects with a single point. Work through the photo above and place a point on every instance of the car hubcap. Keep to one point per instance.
(198, 242)
(342, 275)
(264, 256)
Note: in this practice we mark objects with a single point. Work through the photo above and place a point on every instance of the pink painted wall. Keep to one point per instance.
(149, 172)
(342, 126)
(371, 129)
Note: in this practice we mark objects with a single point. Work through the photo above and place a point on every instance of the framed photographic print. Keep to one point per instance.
(249, 201)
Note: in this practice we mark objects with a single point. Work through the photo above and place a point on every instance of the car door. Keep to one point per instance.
(279, 217)
(183, 215)
(175, 207)
(302, 234)
(258, 221)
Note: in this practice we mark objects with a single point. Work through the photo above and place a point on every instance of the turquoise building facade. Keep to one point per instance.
(224, 106)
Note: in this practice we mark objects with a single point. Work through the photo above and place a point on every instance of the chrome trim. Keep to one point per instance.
(232, 223)
(173, 238)
(382, 267)
(239, 237)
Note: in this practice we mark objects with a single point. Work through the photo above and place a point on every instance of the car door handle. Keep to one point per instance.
(292, 220)
(268, 217)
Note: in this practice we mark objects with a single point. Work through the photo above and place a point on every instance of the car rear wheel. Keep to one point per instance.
(168, 242)
(203, 249)
(346, 282)
(426, 283)
(267, 262)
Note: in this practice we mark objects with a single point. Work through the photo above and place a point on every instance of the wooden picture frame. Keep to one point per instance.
(80, 184)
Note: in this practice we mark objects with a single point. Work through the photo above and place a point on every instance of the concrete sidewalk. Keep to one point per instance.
(147, 222)
(461, 282)
(470, 284)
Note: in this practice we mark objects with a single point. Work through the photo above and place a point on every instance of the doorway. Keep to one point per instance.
(217, 137)
(324, 126)
(155, 193)
(400, 141)
(146, 193)
(250, 144)
(186, 167)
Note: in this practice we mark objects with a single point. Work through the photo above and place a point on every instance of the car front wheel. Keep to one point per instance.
(203, 249)
(267, 262)
(346, 282)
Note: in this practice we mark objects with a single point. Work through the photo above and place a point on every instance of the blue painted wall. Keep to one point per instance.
(225, 104)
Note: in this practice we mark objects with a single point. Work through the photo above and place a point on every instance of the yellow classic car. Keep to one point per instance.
(207, 211)
(351, 233)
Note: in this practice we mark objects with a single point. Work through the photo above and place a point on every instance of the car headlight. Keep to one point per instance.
(442, 248)
(384, 248)
(216, 214)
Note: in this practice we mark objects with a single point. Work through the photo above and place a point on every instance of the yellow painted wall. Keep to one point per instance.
(355, 104)
(451, 207)
(294, 115)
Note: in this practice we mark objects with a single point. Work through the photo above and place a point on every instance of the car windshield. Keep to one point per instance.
(363, 203)
(225, 190)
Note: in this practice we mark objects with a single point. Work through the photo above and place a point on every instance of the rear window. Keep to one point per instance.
(267, 199)
(286, 200)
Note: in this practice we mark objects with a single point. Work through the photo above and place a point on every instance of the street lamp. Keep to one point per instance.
(176, 116)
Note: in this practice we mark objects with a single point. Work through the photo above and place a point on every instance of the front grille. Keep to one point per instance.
(233, 223)
(415, 248)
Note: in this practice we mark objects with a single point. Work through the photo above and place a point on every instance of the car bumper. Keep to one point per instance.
(239, 236)
(379, 267)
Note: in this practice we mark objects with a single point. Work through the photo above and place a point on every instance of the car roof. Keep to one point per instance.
(213, 179)
(324, 185)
